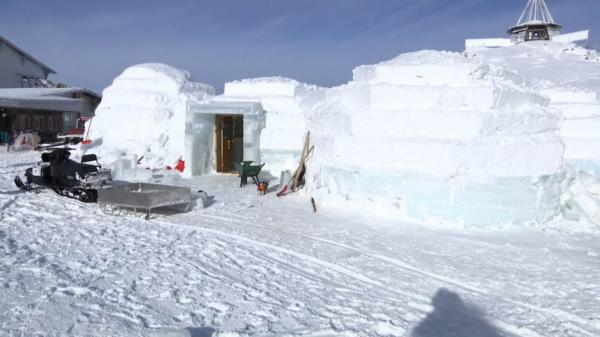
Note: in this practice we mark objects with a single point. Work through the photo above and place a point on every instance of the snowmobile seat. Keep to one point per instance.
(246, 169)
(87, 169)
(57, 155)
(89, 158)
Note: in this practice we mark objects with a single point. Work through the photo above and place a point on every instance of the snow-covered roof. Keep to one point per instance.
(52, 99)
(24, 53)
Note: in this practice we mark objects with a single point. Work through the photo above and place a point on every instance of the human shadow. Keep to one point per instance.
(451, 317)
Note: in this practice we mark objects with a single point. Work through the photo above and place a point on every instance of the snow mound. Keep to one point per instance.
(143, 113)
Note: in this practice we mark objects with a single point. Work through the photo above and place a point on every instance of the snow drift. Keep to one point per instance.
(143, 114)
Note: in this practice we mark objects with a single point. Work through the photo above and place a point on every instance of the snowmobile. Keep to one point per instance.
(67, 177)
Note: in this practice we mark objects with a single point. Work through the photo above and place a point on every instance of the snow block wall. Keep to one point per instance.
(580, 131)
(143, 113)
(286, 103)
(569, 76)
(442, 138)
(484, 137)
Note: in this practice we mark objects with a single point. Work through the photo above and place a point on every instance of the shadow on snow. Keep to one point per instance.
(451, 317)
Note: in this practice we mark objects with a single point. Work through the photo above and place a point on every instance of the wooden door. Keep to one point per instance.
(229, 129)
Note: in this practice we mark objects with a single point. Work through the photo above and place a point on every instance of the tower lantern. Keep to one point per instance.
(535, 23)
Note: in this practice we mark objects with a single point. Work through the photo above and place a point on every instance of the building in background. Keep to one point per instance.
(535, 24)
(18, 69)
(33, 102)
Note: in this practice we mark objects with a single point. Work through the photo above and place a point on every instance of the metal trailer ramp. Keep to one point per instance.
(144, 196)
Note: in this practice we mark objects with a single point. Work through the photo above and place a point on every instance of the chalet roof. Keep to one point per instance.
(52, 99)
(27, 55)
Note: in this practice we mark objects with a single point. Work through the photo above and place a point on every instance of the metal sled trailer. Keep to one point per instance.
(143, 196)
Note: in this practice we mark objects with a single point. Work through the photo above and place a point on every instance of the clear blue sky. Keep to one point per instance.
(317, 41)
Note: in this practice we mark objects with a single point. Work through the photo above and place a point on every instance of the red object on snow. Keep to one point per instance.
(180, 165)
(283, 191)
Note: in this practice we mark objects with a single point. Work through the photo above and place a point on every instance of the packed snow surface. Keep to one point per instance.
(251, 265)
(143, 114)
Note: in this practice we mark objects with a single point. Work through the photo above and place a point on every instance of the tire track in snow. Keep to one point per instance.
(372, 282)
(381, 294)
(122, 309)
(360, 252)
(313, 277)
(307, 258)
(557, 313)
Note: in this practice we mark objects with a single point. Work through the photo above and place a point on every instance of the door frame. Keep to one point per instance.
(219, 142)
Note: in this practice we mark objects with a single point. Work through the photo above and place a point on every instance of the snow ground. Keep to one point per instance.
(263, 266)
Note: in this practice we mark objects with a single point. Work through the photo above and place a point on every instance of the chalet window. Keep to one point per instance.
(25, 82)
(1, 46)
(69, 120)
(22, 60)
(53, 123)
(32, 83)
(38, 123)
(24, 122)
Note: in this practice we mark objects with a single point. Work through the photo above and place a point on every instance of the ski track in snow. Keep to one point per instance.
(263, 266)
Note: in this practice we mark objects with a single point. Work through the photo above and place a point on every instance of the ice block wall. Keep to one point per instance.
(569, 76)
(438, 138)
(580, 129)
